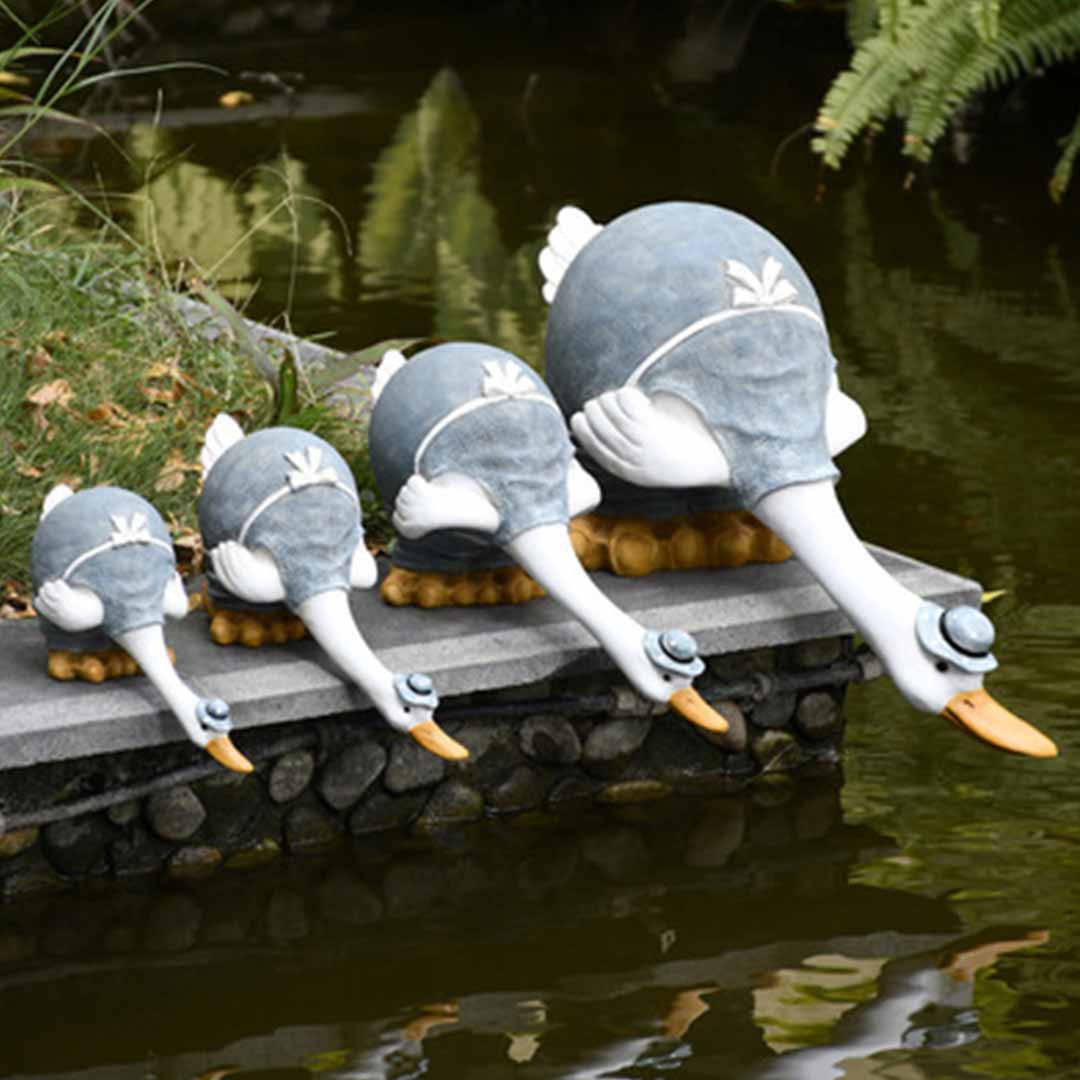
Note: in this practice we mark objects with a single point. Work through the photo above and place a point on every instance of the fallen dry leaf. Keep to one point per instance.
(174, 471)
(31, 472)
(38, 361)
(57, 392)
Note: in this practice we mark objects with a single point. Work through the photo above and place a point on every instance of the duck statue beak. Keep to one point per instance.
(977, 713)
(690, 704)
(221, 749)
(432, 737)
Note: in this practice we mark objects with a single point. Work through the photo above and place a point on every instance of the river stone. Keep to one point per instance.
(493, 752)
(31, 874)
(734, 667)
(346, 899)
(286, 917)
(717, 835)
(290, 775)
(772, 789)
(193, 862)
(818, 652)
(262, 852)
(138, 851)
(523, 789)
(236, 810)
(776, 751)
(123, 813)
(172, 924)
(619, 853)
(572, 791)
(633, 791)
(381, 811)
(818, 715)
(175, 814)
(676, 755)
(350, 773)
(411, 766)
(734, 739)
(309, 829)
(451, 802)
(611, 744)
(77, 847)
(16, 842)
(777, 710)
(551, 740)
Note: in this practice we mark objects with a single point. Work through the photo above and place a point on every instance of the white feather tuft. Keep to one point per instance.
(220, 435)
(572, 230)
(391, 363)
(55, 498)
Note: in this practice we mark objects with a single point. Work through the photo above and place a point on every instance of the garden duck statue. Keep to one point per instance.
(689, 350)
(104, 575)
(280, 519)
(469, 447)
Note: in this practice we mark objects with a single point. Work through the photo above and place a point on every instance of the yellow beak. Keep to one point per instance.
(689, 703)
(221, 749)
(432, 737)
(977, 713)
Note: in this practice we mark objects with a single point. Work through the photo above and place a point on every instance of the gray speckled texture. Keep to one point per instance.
(129, 580)
(312, 533)
(463, 649)
(518, 450)
(760, 379)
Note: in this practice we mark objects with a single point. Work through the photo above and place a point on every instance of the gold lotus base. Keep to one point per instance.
(429, 589)
(634, 547)
(94, 665)
(252, 629)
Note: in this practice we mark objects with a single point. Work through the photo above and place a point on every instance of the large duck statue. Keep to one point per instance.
(104, 575)
(469, 447)
(280, 519)
(690, 352)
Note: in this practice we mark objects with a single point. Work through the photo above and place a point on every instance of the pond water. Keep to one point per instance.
(919, 923)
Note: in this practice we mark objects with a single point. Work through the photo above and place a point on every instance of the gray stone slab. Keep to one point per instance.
(463, 649)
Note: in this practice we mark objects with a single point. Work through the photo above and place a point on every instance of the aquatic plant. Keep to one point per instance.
(919, 60)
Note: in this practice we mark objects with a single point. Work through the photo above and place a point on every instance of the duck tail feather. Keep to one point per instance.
(390, 364)
(220, 435)
(572, 230)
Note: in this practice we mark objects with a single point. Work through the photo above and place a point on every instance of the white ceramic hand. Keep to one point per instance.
(73, 608)
(251, 575)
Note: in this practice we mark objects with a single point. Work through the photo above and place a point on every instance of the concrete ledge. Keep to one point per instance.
(464, 650)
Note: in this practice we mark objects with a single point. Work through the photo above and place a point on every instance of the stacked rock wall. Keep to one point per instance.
(537, 750)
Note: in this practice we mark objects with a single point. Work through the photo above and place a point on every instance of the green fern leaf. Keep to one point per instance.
(984, 16)
(1063, 170)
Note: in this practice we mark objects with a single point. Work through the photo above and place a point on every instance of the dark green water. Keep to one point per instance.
(922, 922)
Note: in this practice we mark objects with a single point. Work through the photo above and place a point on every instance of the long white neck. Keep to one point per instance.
(147, 646)
(328, 618)
(809, 519)
(546, 553)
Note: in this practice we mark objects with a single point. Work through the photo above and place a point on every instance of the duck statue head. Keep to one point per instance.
(689, 350)
(280, 519)
(104, 572)
(471, 450)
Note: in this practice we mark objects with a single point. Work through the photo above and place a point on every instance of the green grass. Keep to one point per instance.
(101, 384)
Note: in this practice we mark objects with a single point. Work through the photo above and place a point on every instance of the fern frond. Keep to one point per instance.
(984, 17)
(1063, 170)
(862, 20)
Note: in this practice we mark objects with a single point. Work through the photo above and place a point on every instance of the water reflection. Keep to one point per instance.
(702, 936)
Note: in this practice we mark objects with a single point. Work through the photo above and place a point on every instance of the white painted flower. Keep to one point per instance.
(767, 291)
(306, 469)
(506, 380)
(129, 530)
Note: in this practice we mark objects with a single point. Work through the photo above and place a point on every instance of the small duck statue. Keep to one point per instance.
(690, 352)
(471, 450)
(280, 519)
(104, 575)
